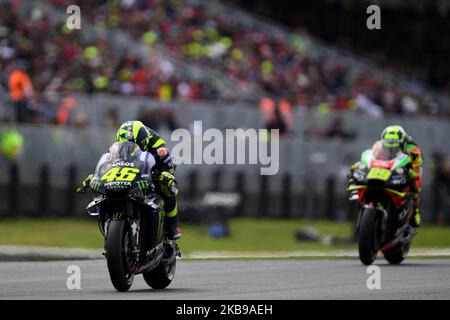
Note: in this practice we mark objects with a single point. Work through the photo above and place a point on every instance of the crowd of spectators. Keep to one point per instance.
(58, 59)
(187, 29)
(413, 40)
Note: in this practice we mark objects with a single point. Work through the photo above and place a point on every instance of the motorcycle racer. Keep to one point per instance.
(395, 138)
(162, 172)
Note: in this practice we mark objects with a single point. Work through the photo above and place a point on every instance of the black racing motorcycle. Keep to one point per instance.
(131, 219)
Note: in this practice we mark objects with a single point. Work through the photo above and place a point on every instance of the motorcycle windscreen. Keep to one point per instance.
(118, 172)
(386, 153)
(123, 151)
(121, 154)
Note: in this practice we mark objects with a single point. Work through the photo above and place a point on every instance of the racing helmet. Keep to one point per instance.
(394, 137)
(134, 131)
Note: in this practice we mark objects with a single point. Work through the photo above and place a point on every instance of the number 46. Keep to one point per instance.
(120, 174)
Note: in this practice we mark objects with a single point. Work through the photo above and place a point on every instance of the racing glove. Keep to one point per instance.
(168, 184)
(85, 184)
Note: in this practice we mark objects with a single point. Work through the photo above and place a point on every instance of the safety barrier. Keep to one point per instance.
(282, 196)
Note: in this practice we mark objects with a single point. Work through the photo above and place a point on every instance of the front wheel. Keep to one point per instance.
(369, 236)
(117, 255)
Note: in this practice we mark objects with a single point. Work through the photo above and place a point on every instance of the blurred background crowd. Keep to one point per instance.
(40, 55)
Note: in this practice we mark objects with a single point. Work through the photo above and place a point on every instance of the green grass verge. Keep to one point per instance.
(246, 235)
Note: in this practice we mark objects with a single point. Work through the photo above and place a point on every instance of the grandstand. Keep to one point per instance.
(197, 50)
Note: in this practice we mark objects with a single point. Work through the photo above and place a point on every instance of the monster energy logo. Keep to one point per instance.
(95, 185)
(142, 185)
(118, 184)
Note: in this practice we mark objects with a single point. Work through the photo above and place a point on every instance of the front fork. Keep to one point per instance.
(384, 217)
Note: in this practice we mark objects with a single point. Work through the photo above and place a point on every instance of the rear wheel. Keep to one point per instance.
(397, 254)
(117, 255)
(161, 276)
(369, 236)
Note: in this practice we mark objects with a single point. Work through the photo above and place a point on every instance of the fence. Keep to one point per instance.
(98, 107)
(44, 198)
(274, 196)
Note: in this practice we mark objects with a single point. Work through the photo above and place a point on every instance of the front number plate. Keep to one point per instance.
(379, 174)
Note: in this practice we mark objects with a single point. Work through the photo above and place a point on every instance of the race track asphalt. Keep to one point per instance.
(236, 280)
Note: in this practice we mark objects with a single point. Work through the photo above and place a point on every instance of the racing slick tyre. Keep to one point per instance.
(162, 275)
(397, 254)
(369, 236)
(117, 255)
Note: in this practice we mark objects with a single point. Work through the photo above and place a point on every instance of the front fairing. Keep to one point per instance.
(389, 172)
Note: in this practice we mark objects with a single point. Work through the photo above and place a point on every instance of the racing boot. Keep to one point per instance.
(173, 231)
(416, 220)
